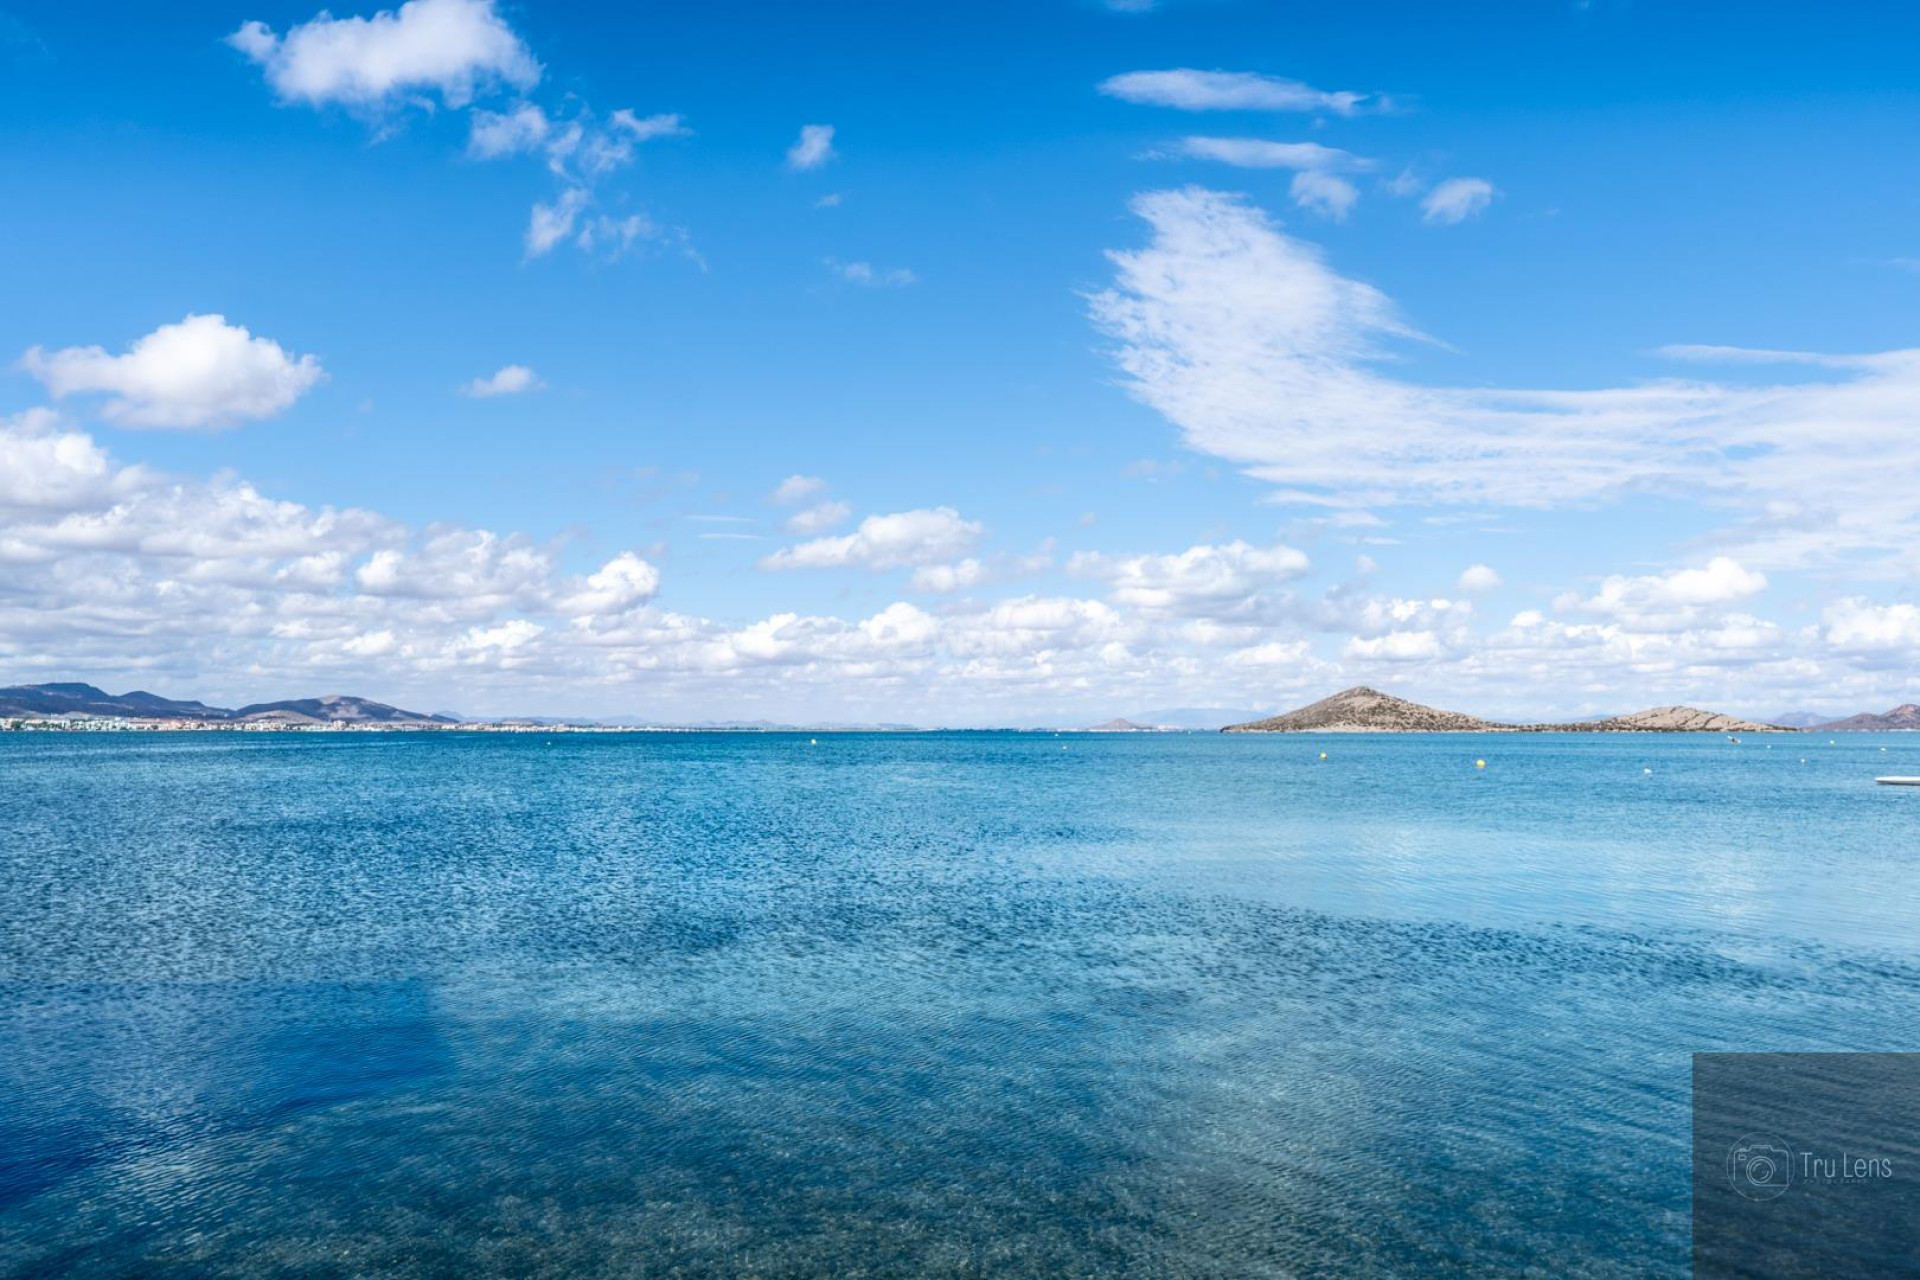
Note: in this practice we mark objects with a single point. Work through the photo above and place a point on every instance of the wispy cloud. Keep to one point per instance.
(1457, 199)
(510, 380)
(813, 148)
(1264, 355)
(902, 539)
(867, 275)
(1324, 194)
(1260, 153)
(1186, 89)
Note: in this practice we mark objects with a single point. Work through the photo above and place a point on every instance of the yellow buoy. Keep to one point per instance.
(1323, 755)
(1479, 764)
(813, 742)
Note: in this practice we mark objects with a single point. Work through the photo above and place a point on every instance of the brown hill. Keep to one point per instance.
(1679, 720)
(1364, 710)
(333, 709)
(1904, 716)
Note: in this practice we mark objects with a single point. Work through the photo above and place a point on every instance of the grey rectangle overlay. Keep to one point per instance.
(1806, 1165)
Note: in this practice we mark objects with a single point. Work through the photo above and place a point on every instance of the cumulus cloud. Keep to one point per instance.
(1324, 194)
(943, 579)
(1262, 354)
(813, 148)
(201, 372)
(211, 587)
(1669, 600)
(1479, 577)
(1456, 199)
(1857, 625)
(1396, 646)
(509, 380)
(1202, 581)
(796, 488)
(900, 540)
(818, 518)
(456, 48)
(1189, 90)
(621, 584)
(492, 134)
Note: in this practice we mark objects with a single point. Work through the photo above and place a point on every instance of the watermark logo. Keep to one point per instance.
(1760, 1167)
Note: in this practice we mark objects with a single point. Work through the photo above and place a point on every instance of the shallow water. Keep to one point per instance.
(660, 1004)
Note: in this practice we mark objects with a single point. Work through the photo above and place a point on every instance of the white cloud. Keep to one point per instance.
(1265, 356)
(867, 276)
(209, 587)
(621, 584)
(886, 542)
(1457, 199)
(1274, 653)
(552, 223)
(454, 47)
(818, 518)
(494, 134)
(472, 566)
(796, 488)
(1324, 194)
(1259, 153)
(1190, 90)
(1202, 581)
(1860, 626)
(666, 124)
(831, 200)
(579, 150)
(1670, 601)
(1396, 646)
(201, 372)
(813, 149)
(509, 380)
(1404, 183)
(944, 579)
(1479, 577)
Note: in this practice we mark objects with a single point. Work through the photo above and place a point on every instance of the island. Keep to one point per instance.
(1364, 710)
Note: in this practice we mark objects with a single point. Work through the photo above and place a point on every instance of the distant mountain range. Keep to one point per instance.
(1207, 718)
(1364, 710)
(34, 700)
(1904, 716)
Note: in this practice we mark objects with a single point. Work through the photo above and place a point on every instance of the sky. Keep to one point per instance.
(1007, 363)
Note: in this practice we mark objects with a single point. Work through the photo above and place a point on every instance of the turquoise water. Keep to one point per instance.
(936, 1004)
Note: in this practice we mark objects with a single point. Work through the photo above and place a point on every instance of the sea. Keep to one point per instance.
(968, 1004)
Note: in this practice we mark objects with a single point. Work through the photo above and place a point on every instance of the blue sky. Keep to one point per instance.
(1200, 353)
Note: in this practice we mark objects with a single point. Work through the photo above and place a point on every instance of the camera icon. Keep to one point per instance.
(1760, 1167)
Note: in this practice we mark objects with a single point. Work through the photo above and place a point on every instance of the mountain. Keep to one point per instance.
(1799, 719)
(1206, 718)
(1676, 720)
(1364, 710)
(333, 709)
(86, 700)
(1121, 726)
(1904, 716)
